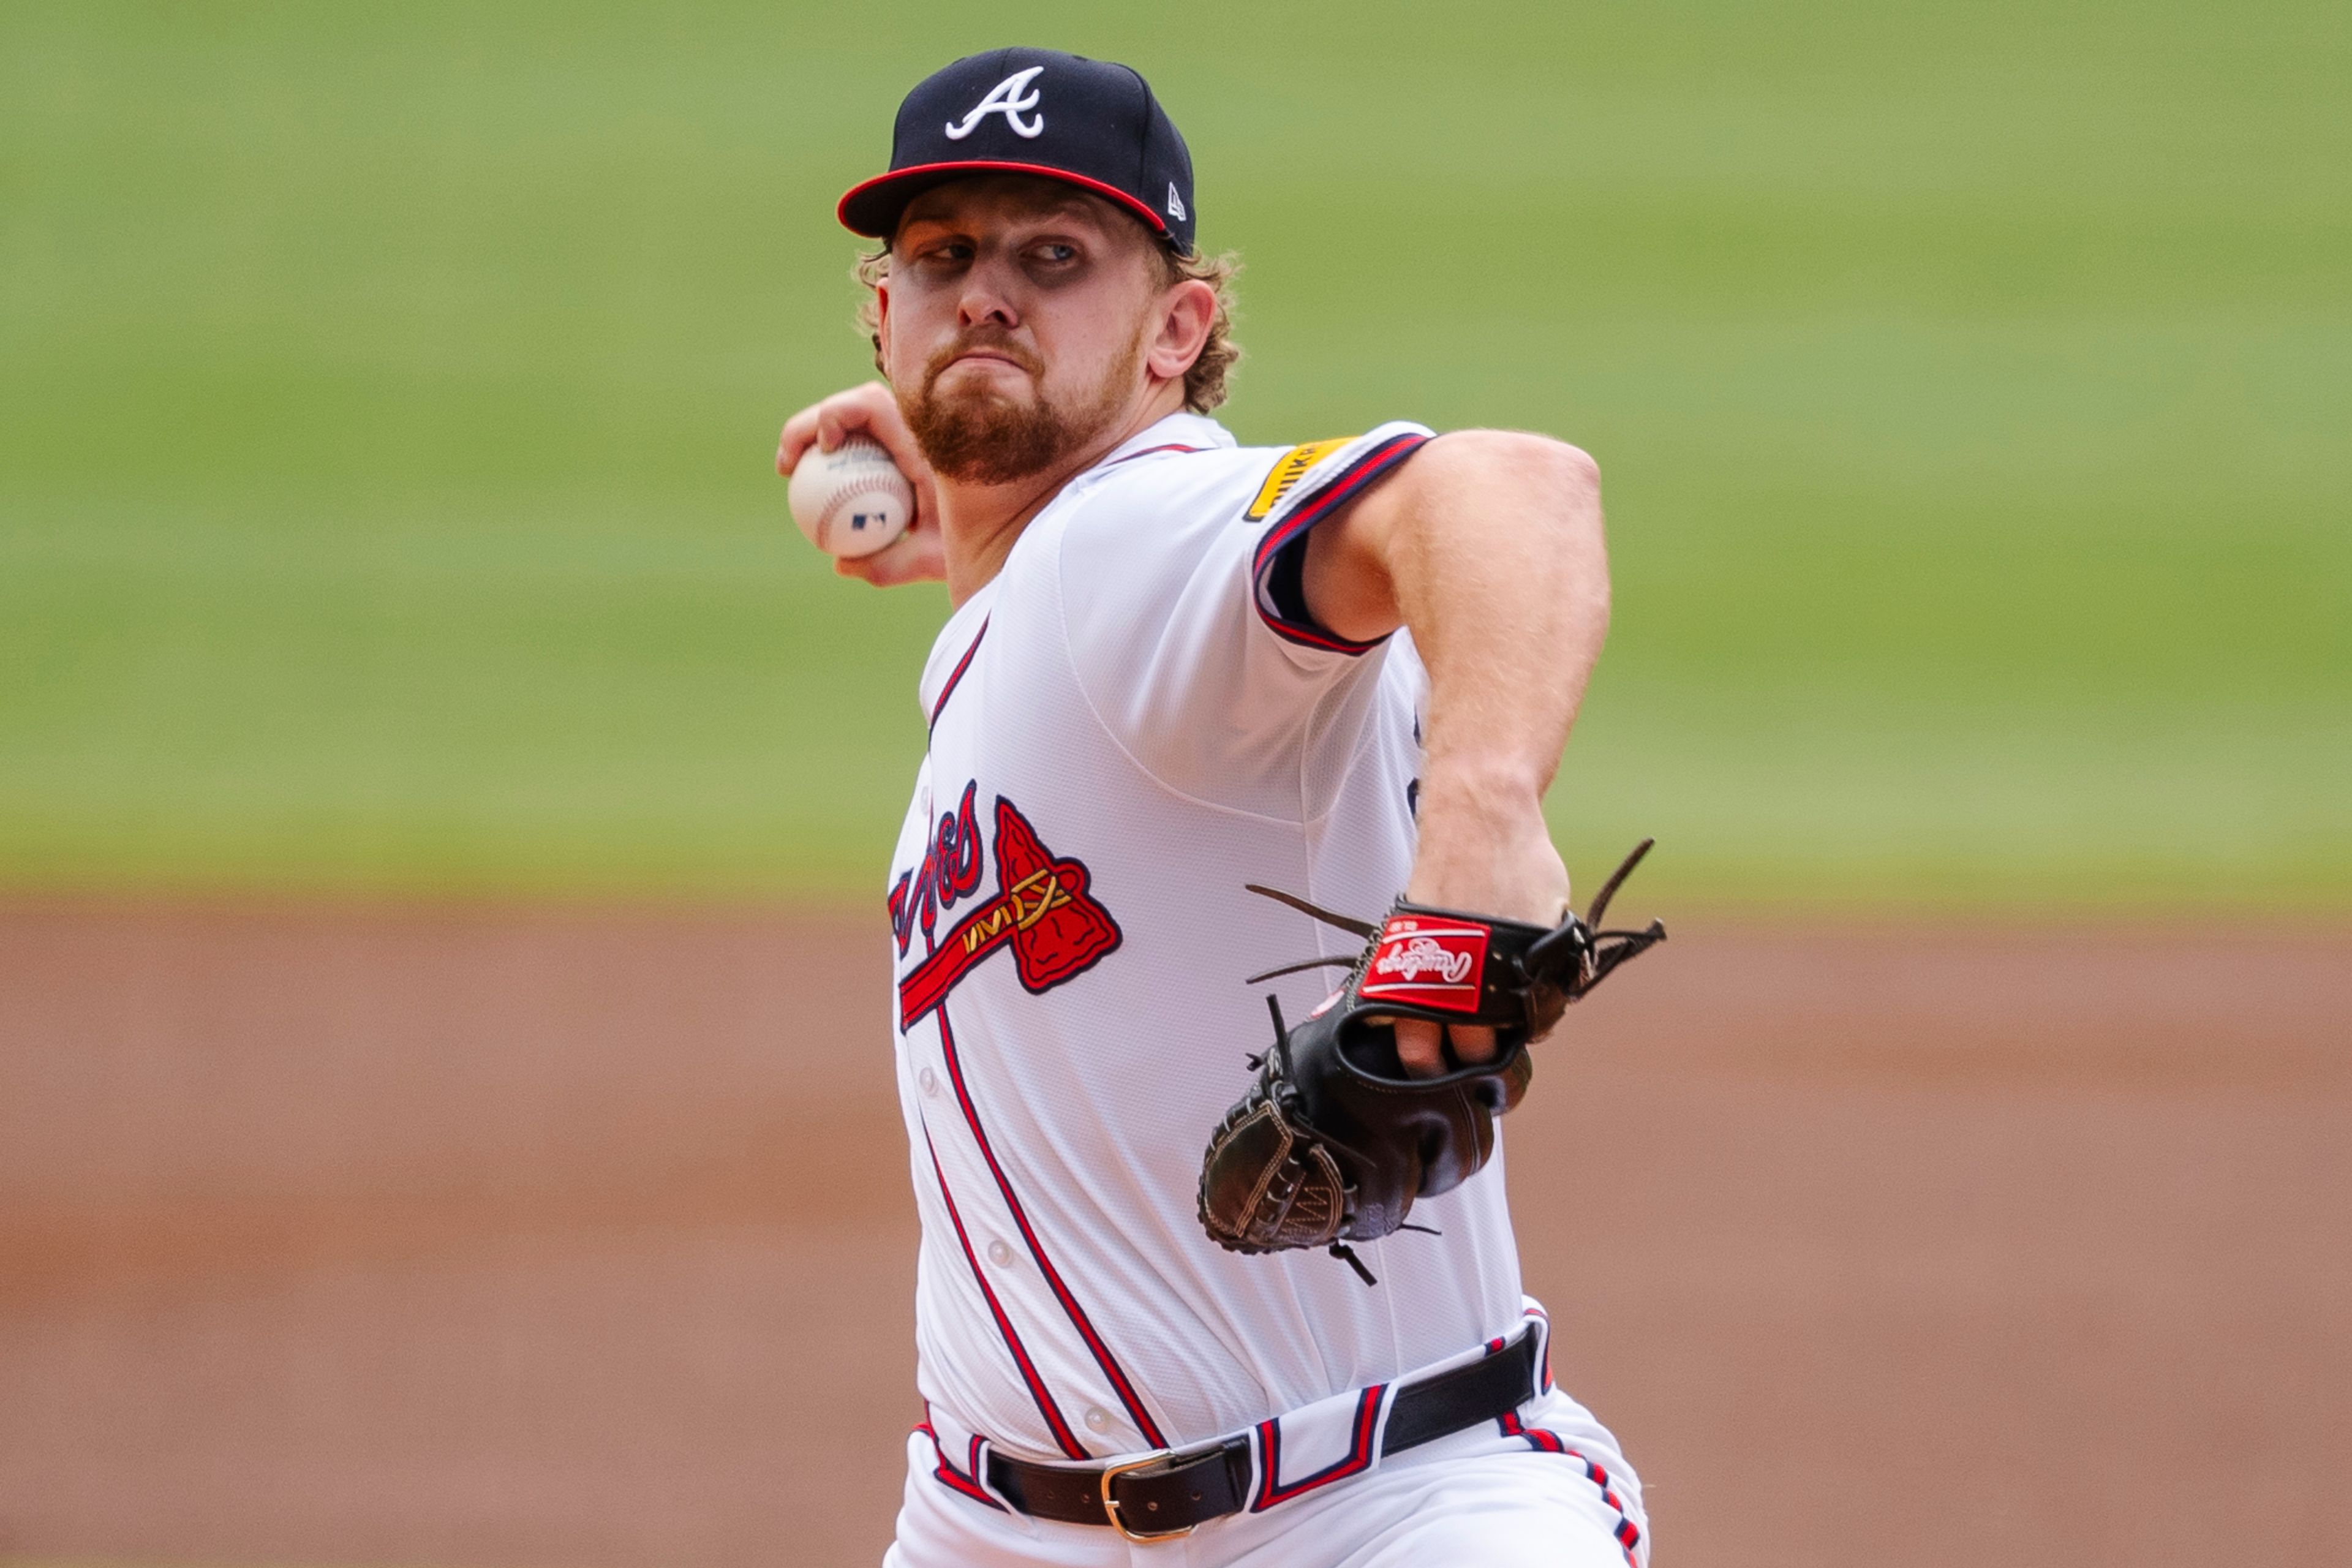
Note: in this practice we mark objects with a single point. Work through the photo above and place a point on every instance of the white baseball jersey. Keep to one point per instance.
(1125, 726)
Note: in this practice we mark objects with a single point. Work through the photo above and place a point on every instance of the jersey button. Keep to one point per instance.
(929, 1080)
(1000, 1254)
(1097, 1418)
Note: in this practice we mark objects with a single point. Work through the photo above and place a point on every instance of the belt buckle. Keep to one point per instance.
(1110, 1504)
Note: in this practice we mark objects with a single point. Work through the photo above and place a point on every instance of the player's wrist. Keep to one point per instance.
(1486, 847)
(1482, 789)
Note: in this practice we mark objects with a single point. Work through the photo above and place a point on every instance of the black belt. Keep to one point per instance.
(1168, 1494)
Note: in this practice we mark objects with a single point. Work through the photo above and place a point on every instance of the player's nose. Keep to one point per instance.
(986, 298)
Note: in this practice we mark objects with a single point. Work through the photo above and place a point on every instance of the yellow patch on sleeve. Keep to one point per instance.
(1287, 473)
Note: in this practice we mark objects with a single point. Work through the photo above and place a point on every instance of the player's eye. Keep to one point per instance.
(945, 253)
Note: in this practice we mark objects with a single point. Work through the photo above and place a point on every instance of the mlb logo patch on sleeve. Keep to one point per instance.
(1427, 963)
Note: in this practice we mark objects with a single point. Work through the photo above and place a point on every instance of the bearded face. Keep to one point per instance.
(976, 430)
(1016, 315)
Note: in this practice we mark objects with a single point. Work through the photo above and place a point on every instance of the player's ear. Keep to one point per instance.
(1187, 309)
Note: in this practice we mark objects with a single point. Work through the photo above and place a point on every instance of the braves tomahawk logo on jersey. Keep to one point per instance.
(1044, 910)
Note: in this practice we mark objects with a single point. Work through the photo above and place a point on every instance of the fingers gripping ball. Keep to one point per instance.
(852, 500)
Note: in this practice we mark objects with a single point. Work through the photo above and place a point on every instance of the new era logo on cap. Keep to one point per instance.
(1089, 123)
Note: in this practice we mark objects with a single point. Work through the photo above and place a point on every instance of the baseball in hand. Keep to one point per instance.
(852, 500)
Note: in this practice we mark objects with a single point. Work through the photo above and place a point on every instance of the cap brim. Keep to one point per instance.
(872, 208)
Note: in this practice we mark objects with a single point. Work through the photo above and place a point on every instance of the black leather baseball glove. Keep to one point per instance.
(1334, 1143)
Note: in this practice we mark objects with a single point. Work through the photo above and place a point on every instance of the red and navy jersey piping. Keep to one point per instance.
(1147, 451)
(966, 1480)
(1115, 1374)
(955, 676)
(1348, 485)
(1544, 1441)
(1539, 1314)
(1063, 1438)
(1628, 1533)
(1273, 1490)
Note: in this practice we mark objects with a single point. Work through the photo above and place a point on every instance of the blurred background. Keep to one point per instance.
(444, 1105)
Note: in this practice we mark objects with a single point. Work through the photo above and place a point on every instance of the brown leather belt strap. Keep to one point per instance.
(1169, 1494)
(1192, 1489)
(1454, 1401)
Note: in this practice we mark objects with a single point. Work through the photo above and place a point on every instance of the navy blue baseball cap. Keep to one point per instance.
(1089, 123)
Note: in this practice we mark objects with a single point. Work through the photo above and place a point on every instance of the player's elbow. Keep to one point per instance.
(1526, 461)
(1528, 497)
(1566, 472)
(1553, 491)
(1579, 470)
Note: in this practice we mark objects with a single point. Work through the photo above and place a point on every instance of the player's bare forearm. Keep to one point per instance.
(1489, 546)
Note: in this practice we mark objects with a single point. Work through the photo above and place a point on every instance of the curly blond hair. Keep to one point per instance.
(1205, 383)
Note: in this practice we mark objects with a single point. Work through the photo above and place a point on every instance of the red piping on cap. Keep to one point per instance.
(1111, 193)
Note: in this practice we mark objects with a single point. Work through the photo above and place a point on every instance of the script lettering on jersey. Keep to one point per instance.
(950, 871)
(1045, 910)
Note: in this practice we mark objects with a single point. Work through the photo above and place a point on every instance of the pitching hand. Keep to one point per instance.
(1484, 850)
(915, 556)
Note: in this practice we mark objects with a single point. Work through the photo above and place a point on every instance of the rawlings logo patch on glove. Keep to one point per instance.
(1427, 963)
(1334, 1141)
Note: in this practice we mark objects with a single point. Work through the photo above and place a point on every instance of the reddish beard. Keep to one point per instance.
(982, 438)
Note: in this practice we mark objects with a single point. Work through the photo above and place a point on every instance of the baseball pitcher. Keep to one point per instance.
(1216, 1266)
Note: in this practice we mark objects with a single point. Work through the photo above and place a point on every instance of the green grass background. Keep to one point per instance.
(387, 398)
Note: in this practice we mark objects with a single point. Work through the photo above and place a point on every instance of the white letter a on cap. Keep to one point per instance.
(1004, 98)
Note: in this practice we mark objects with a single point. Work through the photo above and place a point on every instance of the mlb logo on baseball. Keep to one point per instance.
(1430, 964)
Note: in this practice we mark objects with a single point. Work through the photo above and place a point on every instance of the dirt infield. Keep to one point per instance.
(348, 1236)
